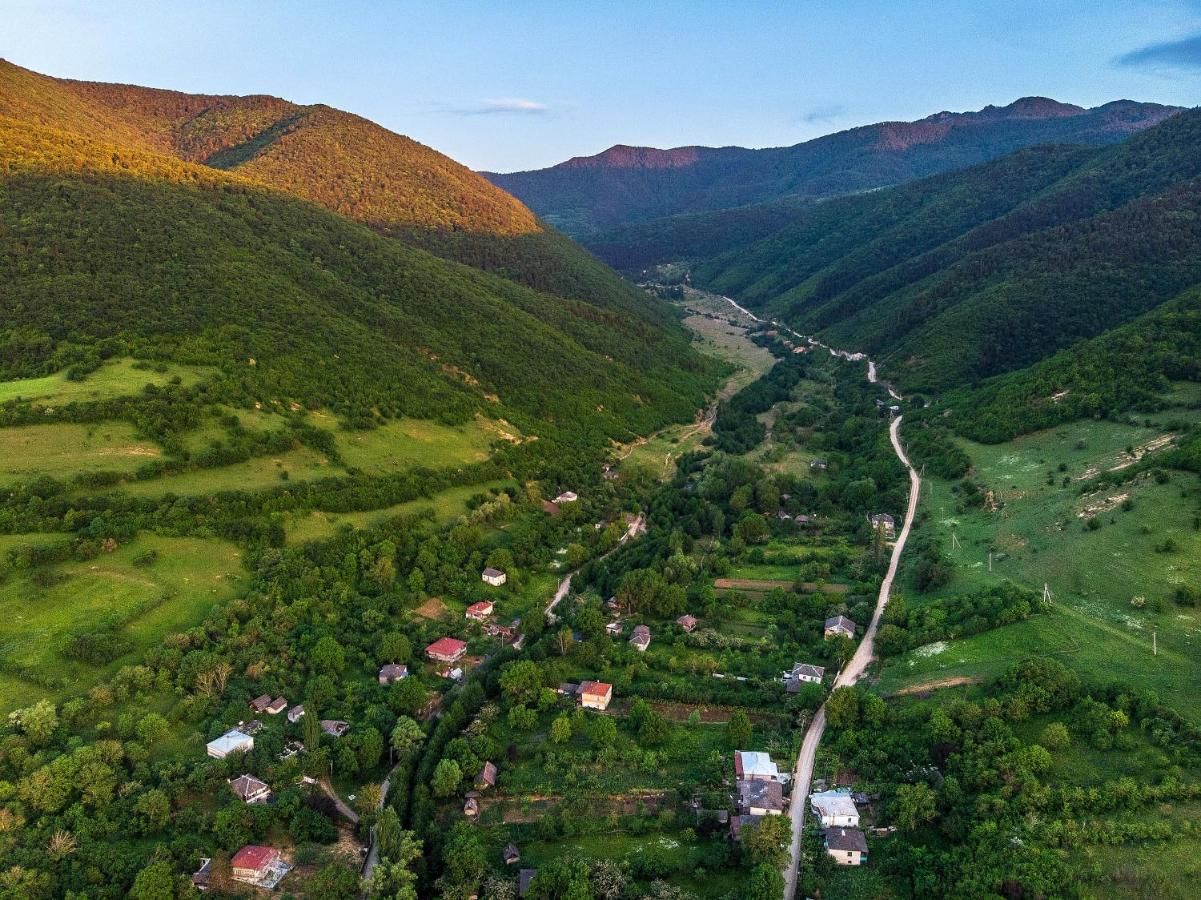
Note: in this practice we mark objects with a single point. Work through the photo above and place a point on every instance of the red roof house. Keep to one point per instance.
(446, 649)
(253, 862)
(479, 611)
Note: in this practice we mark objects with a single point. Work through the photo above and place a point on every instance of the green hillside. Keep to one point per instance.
(973, 274)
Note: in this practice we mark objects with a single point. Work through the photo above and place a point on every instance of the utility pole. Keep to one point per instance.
(1046, 592)
(954, 541)
(990, 560)
(1155, 643)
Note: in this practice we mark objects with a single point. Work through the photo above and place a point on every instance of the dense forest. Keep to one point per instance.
(976, 273)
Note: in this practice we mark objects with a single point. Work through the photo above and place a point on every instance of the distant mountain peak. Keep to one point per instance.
(623, 156)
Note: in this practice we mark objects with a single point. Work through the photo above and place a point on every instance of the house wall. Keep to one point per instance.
(846, 857)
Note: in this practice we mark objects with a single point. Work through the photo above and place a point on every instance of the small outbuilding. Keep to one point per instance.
(847, 846)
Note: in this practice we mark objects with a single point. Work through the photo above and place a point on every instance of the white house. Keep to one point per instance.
(494, 577)
(754, 765)
(567, 497)
(847, 846)
(836, 809)
(804, 673)
(233, 741)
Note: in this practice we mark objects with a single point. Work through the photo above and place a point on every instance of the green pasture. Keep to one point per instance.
(141, 603)
(446, 506)
(119, 378)
(62, 450)
(1038, 534)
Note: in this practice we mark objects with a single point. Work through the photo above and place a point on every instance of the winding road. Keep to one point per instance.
(802, 775)
(853, 671)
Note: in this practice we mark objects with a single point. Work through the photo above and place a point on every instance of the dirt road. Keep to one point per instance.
(854, 669)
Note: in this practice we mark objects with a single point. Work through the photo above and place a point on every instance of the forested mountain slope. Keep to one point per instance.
(636, 184)
(972, 274)
(109, 250)
(347, 164)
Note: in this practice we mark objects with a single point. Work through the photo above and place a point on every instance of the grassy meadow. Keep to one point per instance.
(120, 378)
(121, 592)
(1144, 544)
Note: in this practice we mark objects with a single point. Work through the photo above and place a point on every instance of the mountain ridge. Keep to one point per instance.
(626, 184)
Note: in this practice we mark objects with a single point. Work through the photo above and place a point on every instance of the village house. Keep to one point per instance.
(335, 727)
(613, 604)
(783, 515)
(568, 689)
(641, 638)
(259, 866)
(511, 854)
(276, 706)
(836, 625)
(688, 623)
(450, 672)
(567, 497)
(296, 713)
(760, 798)
(478, 612)
(253, 727)
(847, 846)
(804, 673)
(595, 694)
(200, 878)
(614, 628)
(233, 741)
(886, 522)
(494, 577)
(392, 673)
(260, 704)
(487, 777)
(472, 805)
(818, 465)
(835, 809)
(754, 765)
(446, 650)
(249, 789)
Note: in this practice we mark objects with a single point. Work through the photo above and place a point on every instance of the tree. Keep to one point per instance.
(767, 842)
(561, 879)
(335, 881)
(560, 730)
(915, 805)
(608, 880)
(602, 730)
(327, 656)
(407, 735)
(153, 810)
(311, 726)
(464, 861)
(1056, 737)
(155, 882)
(407, 696)
(766, 882)
(842, 709)
(739, 730)
(653, 730)
(152, 729)
(521, 681)
(446, 778)
(563, 640)
(37, 722)
(394, 647)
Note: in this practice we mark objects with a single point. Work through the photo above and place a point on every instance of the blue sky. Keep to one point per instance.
(528, 83)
